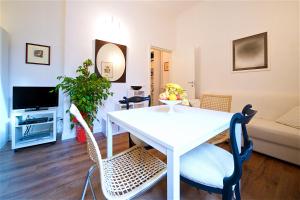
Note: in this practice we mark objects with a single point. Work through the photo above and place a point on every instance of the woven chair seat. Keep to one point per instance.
(130, 172)
(221, 137)
(218, 103)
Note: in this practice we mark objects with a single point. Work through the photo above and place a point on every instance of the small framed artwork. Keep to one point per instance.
(166, 66)
(37, 54)
(250, 53)
(107, 69)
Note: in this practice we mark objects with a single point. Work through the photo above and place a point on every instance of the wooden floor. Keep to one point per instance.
(57, 171)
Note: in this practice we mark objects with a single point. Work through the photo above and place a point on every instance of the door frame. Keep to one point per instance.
(149, 62)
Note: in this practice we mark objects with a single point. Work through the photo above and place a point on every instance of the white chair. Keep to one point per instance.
(127, 174)
(214, 169)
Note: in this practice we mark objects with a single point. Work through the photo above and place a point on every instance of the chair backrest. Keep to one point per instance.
(92, 146)
(216, 102)
(240, 119)
(136, 99)
(93, 149)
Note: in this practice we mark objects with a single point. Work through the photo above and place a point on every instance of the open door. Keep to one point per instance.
(160, 72)
(187, 72)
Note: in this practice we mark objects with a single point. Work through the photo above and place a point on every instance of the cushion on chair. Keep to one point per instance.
(207, 164)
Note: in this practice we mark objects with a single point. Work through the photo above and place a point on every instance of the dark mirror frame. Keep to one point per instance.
(98, 45)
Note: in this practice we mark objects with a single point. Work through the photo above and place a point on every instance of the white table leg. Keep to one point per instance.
(173, 175)
(109, 137)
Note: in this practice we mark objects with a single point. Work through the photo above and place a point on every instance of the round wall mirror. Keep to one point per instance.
(110, 61)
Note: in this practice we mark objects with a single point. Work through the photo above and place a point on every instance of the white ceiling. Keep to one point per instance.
(173, 8)
(170, 8)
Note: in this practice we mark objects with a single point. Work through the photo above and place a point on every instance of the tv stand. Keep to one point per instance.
(35, 109)
(33, 127)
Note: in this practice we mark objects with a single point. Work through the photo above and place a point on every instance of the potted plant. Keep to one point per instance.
(87, 91)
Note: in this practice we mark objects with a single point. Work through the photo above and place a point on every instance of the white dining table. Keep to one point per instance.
(173, 134)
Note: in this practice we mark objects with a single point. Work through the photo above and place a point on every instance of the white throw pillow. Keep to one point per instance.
(195, 102)
(291, 118)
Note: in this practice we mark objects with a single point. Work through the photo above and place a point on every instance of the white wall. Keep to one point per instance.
(3, 83)
(205, 30)
(142, 24)
(39, 23)
(166, 57)
(208, 29)
(1, 12)
(71, 27)
(4, 72)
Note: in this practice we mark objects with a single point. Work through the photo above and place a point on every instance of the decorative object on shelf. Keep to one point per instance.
(136, 87)
(87, 91)
(37, 54)
(166, 66)
(250, 53)
(110, 61)
(171, 104)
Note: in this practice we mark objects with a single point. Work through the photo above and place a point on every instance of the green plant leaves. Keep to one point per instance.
(87, 91)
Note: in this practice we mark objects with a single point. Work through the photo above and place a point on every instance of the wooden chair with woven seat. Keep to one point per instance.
(218, 103)
(127, 174)
(212, 168)
(136, 99)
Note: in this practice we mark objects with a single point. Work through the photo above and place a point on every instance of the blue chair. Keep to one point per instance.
(136, 99)
(213, 169)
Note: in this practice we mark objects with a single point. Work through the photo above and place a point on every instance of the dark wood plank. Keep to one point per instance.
(57, 171)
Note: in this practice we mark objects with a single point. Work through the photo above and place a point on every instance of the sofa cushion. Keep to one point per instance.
(269, 106)
(291, 118)
(274, 132)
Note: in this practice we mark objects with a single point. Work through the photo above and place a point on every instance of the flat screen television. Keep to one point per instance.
(34, 97)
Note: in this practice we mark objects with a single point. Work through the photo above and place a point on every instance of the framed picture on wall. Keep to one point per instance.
(250, 53)
(37, 54)
(166, 66)
(107, 69)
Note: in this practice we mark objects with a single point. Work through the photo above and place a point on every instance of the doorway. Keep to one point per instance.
(160, 72)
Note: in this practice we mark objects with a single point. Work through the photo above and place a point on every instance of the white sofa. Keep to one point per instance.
(269, 137)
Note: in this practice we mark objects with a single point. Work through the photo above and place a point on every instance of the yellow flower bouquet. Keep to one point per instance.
(174, 92)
